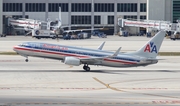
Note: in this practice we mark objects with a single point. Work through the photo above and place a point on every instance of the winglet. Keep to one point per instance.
(101, 46)
(116, 53)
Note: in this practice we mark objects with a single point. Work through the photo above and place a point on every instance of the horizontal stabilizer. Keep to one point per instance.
(92, 59)
(80, 30)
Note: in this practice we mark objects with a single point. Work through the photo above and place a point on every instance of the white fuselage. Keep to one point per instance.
(59, 52)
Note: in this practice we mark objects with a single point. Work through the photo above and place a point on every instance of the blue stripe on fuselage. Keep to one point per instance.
(77, 50)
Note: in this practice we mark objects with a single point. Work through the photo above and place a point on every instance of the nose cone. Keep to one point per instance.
(15, 48)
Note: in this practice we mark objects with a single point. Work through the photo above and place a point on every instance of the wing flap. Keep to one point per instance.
(67, 31)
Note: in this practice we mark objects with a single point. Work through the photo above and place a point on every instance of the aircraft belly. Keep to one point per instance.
(114, 64)
(25, 52)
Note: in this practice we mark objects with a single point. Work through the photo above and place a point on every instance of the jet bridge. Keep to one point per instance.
(153, 24)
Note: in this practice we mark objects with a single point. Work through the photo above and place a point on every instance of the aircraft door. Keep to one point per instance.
(32, 49)
(35, 49)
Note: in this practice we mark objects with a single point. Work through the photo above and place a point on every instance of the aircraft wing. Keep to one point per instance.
(67, 31)
(65, 26)
(96, 60)
(149, 59)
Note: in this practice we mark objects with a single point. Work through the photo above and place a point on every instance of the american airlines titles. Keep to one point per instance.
(54, 47)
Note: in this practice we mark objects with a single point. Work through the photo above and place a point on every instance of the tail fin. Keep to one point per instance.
(59, 19)
(151, 48)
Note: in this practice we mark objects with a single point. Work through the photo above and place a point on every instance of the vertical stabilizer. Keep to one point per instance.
(151, 48)
(59, 19)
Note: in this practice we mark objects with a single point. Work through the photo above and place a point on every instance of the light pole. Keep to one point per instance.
(92, 15)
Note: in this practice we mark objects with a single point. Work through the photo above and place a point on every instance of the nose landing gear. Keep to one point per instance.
(26, 59)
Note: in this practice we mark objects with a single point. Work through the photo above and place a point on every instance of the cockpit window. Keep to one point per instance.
(24, 44)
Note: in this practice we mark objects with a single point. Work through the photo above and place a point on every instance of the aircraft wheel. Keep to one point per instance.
(26, 60)
(88, 68)
(84, 67)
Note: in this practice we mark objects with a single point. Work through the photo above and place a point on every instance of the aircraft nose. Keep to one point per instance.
(15, 48)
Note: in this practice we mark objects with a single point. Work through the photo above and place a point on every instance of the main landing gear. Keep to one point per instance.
(86, 67)
(26, 60)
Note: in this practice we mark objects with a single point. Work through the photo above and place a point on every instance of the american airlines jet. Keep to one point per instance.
(76, 56)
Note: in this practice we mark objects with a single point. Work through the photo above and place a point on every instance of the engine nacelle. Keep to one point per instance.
(72, 61)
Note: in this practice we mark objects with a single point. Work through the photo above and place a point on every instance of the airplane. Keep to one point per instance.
(76, 56)
(51, 28)
(58, 29)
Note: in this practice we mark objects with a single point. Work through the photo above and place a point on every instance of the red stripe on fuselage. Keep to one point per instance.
(52, 52)
(112, 60)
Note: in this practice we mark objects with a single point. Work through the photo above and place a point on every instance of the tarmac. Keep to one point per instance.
(44, 82)
(131, 43)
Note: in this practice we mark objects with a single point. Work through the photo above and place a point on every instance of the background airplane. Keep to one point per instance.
(76, 56)
(53, 27)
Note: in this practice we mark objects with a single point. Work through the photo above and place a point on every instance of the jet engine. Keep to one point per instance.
(72, 61)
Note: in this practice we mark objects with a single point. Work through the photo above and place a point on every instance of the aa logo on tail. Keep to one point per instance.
(151, 47)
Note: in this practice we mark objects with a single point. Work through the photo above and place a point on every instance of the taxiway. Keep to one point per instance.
(44, 82)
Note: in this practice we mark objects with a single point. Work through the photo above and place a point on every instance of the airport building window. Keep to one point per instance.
(81, 7)
(104, 7)
(12, 7)
(97, 19)
(110, 19)
(143, 7)
(143, 17)
(176, 11)
(127, 7)
(76, 19)
(35, 7)
(19, 16)
(130, 17)
(54, 7)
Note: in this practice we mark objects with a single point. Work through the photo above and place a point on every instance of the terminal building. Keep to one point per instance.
(89, 13)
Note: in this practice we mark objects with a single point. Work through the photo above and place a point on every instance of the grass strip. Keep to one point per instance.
(8, 53)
